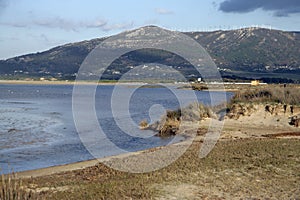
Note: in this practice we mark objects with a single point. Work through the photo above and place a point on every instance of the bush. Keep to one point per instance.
(169, 124)
(143, 124)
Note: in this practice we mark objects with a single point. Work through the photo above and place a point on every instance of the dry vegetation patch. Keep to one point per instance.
(236, 169)
(269, 94)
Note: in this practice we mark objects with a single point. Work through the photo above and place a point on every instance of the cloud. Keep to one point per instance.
(56, 22)
(280, 8)
(69, 25)
(163, 11)
(15, 24)
(94, 24)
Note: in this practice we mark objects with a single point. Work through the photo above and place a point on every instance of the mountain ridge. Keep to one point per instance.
(243, 53)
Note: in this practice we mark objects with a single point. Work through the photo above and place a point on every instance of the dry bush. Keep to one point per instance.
(196, 112)
(174, 114)
(169, 124)
(144, 124)
(199, 87)
(169, 128)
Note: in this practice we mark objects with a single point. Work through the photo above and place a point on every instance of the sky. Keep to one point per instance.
(30, 26)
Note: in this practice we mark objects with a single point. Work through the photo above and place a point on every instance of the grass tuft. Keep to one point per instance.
(11, 188)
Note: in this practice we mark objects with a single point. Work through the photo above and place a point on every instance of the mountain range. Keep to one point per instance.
(249, 53)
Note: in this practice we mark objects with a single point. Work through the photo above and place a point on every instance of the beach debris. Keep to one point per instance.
(295, 120)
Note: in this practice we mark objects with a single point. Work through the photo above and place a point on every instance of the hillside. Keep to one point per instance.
(271, 55)
(253, 52)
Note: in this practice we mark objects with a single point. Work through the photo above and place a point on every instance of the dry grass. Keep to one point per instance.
(288, 134)
(270, 94)
(169, 125)
(11, 188)
(240, 169)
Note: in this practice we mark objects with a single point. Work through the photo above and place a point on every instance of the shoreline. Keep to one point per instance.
(31, 82)
(81, 165)
(72, 83)
(23, 82)
(40, 172)
(56, 169)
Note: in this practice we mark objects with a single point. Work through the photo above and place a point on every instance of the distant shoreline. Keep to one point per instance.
(67, 82)
(112, 83)
(184, 86)
(23, 82)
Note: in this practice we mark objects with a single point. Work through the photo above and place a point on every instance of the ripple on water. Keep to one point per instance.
(22, 129)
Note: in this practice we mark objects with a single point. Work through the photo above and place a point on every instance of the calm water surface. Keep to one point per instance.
(37, 128)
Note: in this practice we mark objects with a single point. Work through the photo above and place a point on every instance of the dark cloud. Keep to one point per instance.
(280, 8)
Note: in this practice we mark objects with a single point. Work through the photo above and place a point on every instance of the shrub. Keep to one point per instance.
(169, 124)
(174, 114)
(143, 124)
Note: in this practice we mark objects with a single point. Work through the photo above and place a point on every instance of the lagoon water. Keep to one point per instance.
(37, 128)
